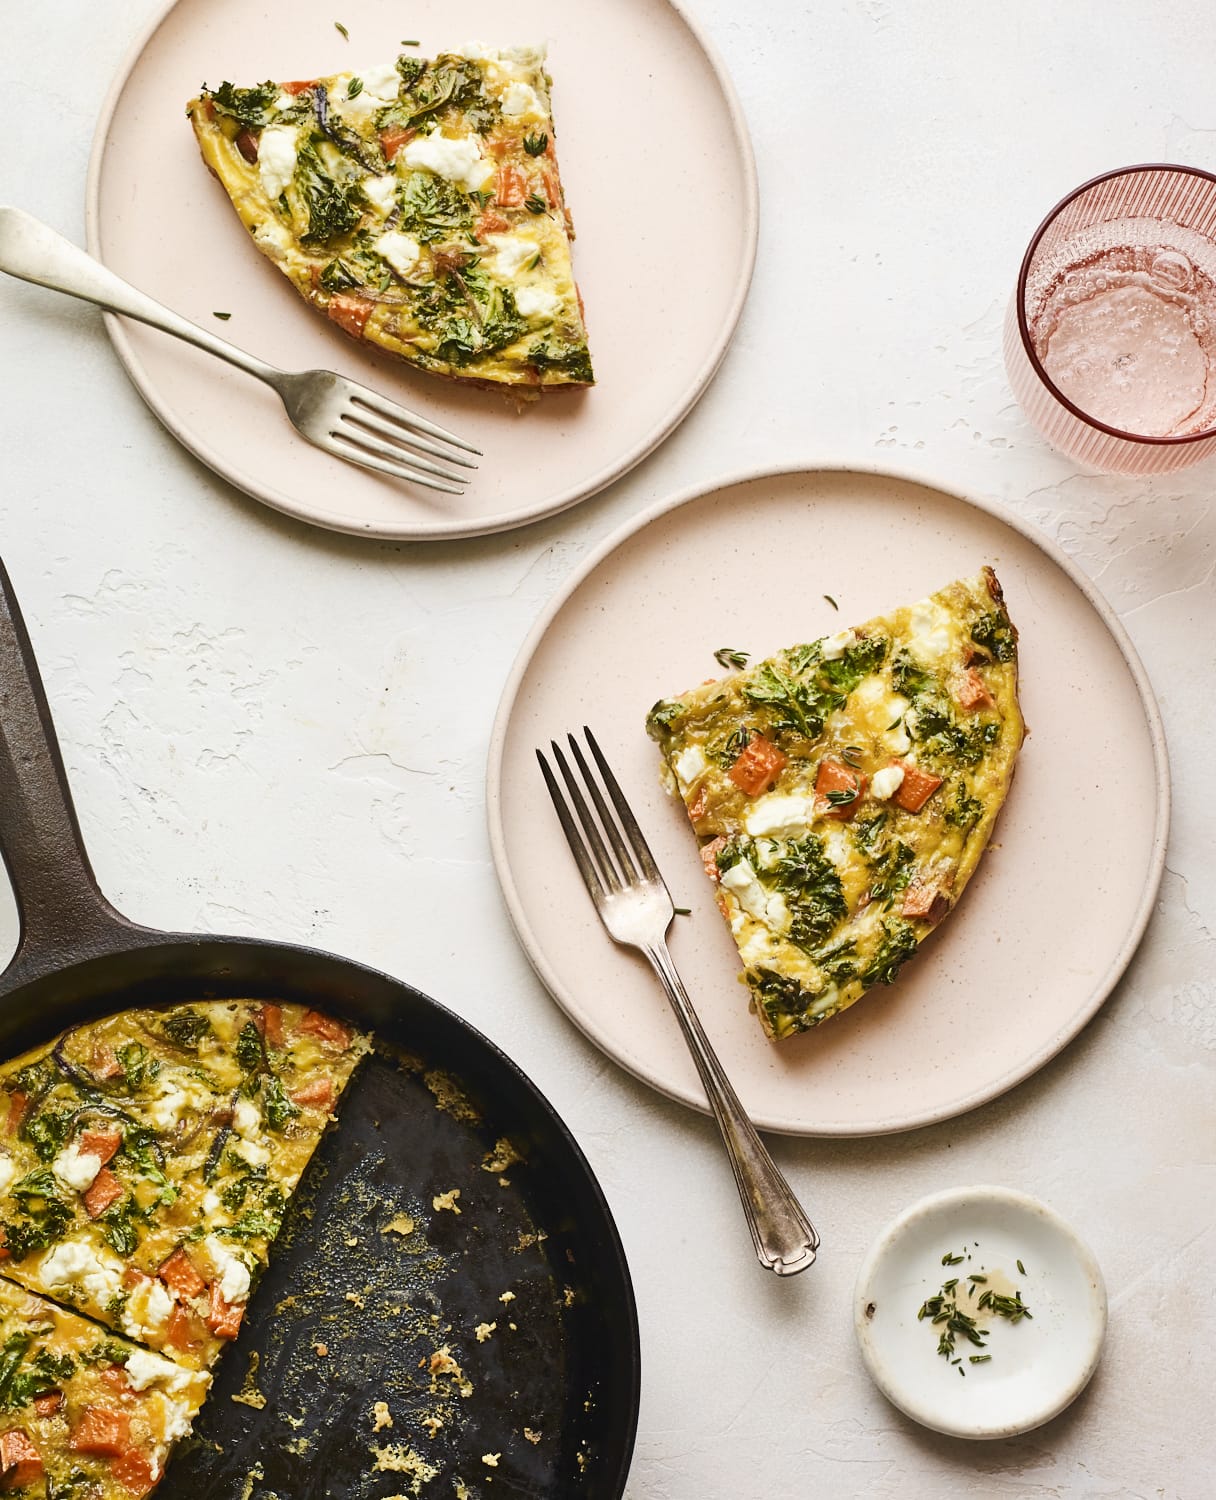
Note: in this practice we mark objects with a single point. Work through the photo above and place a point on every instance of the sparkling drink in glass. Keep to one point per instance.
(1110, 338)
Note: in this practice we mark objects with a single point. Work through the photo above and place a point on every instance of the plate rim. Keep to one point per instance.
(198, 444)
(1051, 549)
(948, 1198)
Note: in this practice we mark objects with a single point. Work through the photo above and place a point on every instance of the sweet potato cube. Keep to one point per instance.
(185, 1330)
(270, 1024)
(18, 1103)
(971, 690)
(134, 1472)
(326, 1028)
(319, 1093)
(105, 1061)
(102, 1143)
(758, 766)
(926, 900)
(916, 788)
(102, 1431)
(838, 789)
(105, 1190)
(20, 1461)
(179, 1275)
(224, 1317)
(709, 856)
(350, 313)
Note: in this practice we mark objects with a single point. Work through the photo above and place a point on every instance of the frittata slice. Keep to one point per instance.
(83, 1413)
(418, 205)
(844, 791)
(146, 1160)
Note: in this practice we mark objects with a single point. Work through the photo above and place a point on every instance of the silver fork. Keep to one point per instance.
(340, 415)
(635, 906)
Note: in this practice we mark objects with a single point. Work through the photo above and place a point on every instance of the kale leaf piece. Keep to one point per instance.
(997, 636)
(333, 209)
(248, 107)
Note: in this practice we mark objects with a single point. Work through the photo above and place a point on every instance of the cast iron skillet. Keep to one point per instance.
(358, 1307)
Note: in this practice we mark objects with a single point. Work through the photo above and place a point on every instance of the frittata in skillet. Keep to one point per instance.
(844, 791)
(146, 1160)
(418, 205)
(84, 1415)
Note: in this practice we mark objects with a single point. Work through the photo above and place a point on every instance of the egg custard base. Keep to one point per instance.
(843, 792)
(418, 205)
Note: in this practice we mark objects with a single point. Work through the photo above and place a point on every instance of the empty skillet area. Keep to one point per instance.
(421, 1321)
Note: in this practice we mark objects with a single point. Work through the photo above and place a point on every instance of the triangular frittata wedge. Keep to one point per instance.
(843, 792)
(146, 1161)
(418, 205)
(83, 1412)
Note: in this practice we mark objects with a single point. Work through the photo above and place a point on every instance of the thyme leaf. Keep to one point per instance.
(843, 796)
(727, 657)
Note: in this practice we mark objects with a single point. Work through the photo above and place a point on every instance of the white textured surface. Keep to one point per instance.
(271, 729)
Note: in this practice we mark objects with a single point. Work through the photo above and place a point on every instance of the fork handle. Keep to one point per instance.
(35, 252)
(784, 1238)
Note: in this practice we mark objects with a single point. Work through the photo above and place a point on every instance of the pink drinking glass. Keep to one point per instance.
(1128, 261)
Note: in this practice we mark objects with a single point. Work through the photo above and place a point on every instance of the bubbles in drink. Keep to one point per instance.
(1123, 325)
(1171, 270)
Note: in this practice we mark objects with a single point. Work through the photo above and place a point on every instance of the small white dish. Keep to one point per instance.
(1038, 1365)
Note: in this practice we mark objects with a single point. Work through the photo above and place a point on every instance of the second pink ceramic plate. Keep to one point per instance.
(1060, 901)
(658, 168)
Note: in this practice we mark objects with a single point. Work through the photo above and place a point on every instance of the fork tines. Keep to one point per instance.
(379, 434)
(630, 862)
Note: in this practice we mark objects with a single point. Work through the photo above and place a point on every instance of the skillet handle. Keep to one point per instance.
(63, 916)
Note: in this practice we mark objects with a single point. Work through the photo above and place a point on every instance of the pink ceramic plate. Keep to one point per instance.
(1060, 900)
(657, 163)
